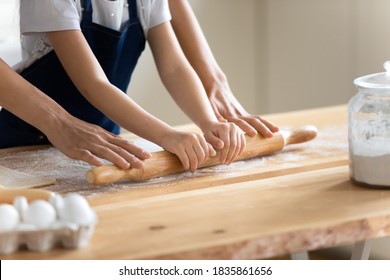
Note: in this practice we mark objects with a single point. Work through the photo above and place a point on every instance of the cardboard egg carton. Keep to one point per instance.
(62, 232)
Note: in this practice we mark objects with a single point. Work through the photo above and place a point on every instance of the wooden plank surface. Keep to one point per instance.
(250, 220)
(327, 150)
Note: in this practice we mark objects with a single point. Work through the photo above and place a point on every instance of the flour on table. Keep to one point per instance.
(70, 174)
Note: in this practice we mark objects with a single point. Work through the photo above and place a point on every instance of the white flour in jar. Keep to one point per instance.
(372, 170)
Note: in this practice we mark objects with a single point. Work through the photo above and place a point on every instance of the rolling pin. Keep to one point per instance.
(8, 195)
(165, 163)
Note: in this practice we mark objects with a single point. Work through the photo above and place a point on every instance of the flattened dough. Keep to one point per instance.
(13, 179)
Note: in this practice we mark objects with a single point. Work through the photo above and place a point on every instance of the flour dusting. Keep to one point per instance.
(70, 174)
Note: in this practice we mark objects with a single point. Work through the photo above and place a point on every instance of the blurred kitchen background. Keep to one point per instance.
(9, 32)
(279, 55)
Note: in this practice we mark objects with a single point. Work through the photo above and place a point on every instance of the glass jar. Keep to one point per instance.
(369, 130)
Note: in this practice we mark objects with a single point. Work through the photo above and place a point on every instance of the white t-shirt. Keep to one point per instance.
(40, 16)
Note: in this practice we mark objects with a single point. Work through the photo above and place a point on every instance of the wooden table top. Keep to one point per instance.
(297, 200)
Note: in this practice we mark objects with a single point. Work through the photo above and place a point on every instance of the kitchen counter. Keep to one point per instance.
(297, 200)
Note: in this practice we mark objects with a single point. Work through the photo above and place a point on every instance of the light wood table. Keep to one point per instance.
(298, 200)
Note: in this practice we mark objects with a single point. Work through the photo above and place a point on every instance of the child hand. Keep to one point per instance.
(228, 138)
(191, 148)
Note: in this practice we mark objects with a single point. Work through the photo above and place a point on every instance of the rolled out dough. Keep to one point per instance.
(13, 179)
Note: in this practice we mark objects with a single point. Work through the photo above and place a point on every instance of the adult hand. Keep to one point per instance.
(90, 143)
(227, 109)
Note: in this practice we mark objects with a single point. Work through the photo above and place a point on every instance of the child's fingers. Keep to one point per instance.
(225, 137)
(201, 152)
(193, 159)
(212, 151)
(234, 149)
(215, 141)
(237, 143)
(184, 159)
(243, 143)
(234, 142)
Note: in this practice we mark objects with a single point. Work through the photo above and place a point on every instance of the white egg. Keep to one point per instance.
(58, 202)
(76, 210)
(40, 213)
(21, 205)
(9, 217)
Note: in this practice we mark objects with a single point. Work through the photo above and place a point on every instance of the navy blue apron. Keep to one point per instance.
(117, 53)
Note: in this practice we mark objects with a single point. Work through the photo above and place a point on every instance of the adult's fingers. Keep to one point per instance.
(269, 124)
(87, 157)
(112, 154)
(244, 125)
(257, 123)
(132, 153)
(118, 151)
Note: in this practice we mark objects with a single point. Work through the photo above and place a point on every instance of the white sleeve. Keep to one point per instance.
(48, 15)
(159, 12)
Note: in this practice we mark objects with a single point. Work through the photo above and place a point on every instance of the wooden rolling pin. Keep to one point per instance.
(8, 195)
(165, 163)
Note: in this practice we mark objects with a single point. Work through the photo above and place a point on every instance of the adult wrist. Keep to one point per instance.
(213, 82)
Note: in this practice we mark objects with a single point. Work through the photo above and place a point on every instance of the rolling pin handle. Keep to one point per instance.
(299, 135)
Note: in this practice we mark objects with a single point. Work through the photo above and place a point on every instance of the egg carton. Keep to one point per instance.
(67, 222)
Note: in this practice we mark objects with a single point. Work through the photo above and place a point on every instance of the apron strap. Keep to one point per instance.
(87, 15)
(132, 9)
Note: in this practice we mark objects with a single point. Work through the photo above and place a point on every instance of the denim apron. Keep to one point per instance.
(117, 53)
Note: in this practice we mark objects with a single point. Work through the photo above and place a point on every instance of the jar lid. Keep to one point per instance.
(377, 80)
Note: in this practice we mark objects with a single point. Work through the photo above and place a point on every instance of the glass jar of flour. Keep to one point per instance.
(369, 130)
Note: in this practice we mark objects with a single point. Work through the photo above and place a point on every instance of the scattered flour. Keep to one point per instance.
(70, 174)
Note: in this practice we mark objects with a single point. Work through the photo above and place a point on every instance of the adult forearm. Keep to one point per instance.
(194, 44)
(26, 101)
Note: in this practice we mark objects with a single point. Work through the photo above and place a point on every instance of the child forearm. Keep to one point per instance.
(124, 111)
(187, 91)
(89, 78)
(179, 77)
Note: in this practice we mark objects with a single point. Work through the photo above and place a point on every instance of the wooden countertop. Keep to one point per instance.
(297, 200)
